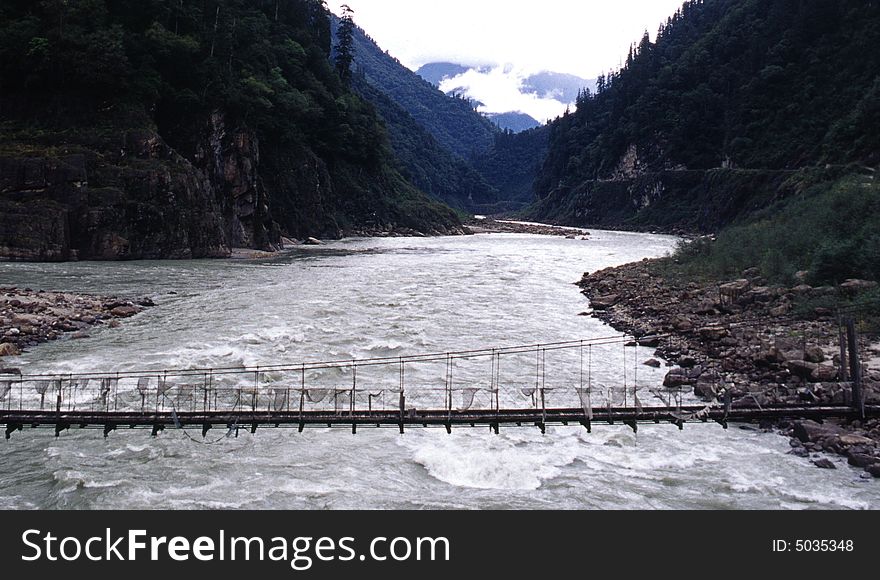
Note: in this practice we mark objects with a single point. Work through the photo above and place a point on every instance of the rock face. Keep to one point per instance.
(231, 158)
(137, 200)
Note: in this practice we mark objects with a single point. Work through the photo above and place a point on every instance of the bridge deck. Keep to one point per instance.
(15, 420)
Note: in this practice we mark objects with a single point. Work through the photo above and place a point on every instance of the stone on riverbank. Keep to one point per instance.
(28, 318)
(9, 349)
(744, 337)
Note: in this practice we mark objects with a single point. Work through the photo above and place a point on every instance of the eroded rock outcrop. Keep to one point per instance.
(139, 200)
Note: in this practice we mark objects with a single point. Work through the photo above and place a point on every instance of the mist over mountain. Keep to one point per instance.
(504, 93)
(445, 147)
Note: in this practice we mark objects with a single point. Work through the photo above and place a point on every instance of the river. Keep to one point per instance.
(360, 298)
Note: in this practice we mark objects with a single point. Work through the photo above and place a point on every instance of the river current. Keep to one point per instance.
(361, 298)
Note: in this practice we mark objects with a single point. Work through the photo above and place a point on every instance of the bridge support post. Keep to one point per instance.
(855, 367)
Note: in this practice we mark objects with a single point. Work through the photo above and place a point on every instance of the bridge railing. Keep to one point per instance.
(572, 374)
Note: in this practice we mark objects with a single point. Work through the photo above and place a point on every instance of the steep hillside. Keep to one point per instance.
(731, 93)
(155, 129)
(424, 162)
(452, 122)
(512, 163)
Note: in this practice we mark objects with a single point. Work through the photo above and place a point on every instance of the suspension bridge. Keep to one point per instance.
(532, 385)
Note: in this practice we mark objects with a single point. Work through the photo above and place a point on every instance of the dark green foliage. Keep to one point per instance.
(430, 133)
(169, 65)
(452, 122)
(758, 84)
(512, 163)
(428, 165)
(831, 230)
(344, 49)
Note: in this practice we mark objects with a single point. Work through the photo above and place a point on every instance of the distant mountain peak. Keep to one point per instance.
(509, 97)
(515, 121)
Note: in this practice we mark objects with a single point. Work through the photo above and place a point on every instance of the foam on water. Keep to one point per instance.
(389, 297)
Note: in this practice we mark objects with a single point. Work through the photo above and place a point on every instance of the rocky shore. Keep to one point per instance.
(748, 341)
(493, 226)
(29, 317)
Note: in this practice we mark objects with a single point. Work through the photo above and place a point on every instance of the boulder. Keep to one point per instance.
(780, 310)
(652, 362)
(682, 324)
(861, 460)
(734, 288)
(649, 341)
(814, 354)
(824, 463)
(687, 362)
(874, 469)
(812, 432)
(604, 302)
(849, 439)
(676, 377)
(124, 311)
(761, 294)
(853, 287)
(823, 374)
(312, 242)
(9, 349)
(713, 333)
(801, 368)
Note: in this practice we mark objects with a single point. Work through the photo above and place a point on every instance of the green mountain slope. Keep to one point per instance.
(158, 128)
(452, 122)
(731, 93)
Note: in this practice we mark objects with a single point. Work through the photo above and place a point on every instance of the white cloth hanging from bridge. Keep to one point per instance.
(316, 395)
(143, 385)
(280, 399)
(5, 387)
(467, 398)
(41, 387)
(584, 394)
(342, 398)
(164, 386)
(528, 392)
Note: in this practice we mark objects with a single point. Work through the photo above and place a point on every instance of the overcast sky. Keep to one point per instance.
(582, 37)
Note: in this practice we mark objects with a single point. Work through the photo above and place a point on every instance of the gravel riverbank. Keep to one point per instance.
(742, 339)
(30, 317)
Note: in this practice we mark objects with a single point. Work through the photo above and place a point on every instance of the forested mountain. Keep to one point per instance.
(163, 128)
(436, 72)
(427, 164)
(515, 121)
(511, 165)
(702, 125)
(452, 122)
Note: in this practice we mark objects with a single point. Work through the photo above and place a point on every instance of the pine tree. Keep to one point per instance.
(345, 44)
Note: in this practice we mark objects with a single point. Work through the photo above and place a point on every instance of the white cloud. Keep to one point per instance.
(582, 37)
(499, 91)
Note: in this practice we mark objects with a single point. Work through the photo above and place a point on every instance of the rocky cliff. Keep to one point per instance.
(140, 200)
(186, 130)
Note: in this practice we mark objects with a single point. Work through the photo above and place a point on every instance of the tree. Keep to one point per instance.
(345, 44)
